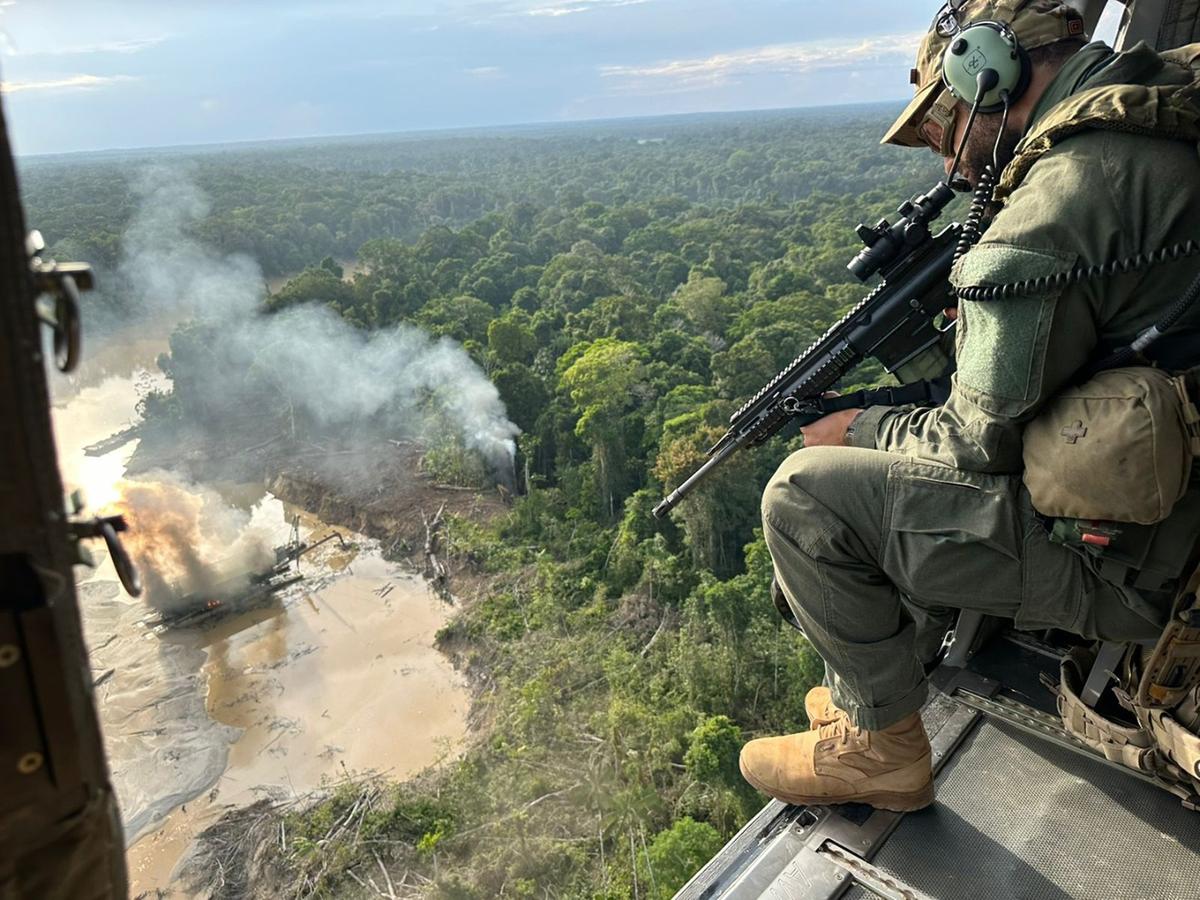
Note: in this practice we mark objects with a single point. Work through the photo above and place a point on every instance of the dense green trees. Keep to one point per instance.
(290, 204)
(603, 379)
(624, 296)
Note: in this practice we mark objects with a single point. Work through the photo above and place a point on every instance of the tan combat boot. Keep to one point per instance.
(818, 703)
(838, 763)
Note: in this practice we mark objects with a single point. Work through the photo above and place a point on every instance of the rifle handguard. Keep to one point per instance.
(894, 324)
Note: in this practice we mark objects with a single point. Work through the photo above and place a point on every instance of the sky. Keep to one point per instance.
(101, 75)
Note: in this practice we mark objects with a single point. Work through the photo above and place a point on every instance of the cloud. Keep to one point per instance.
(570, 7)
(128, 46)
(700, 73)
(485, 72)
(70, 83)
(443, 13)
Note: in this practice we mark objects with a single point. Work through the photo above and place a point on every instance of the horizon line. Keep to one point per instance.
(452, 129)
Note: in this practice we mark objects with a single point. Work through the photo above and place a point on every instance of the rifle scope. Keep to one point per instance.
(888, 244)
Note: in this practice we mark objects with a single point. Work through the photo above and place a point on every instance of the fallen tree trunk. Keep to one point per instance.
(435, 570)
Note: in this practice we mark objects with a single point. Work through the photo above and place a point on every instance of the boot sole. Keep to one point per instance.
(887, 800)
(892, 801)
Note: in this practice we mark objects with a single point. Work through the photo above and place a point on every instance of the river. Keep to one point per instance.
(340, 675)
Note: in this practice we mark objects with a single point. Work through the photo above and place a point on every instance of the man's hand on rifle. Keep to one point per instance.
(830, 430)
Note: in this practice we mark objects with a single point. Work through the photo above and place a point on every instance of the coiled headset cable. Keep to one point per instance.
(994, 38)
(973, 226)
(1050, 283)
(1129, 355)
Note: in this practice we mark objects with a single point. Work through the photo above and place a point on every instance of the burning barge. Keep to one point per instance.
(244, 592)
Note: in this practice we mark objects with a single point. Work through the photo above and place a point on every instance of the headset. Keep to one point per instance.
(978, 48)
(986, 67)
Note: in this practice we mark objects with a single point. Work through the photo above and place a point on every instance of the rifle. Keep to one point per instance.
(894, 324)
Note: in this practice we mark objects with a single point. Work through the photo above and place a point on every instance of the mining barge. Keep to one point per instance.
(244, 592)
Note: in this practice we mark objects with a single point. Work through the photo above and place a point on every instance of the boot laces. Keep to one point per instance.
(839, 729)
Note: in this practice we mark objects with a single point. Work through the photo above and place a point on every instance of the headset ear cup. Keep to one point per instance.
(990, 45)
(1023, 79)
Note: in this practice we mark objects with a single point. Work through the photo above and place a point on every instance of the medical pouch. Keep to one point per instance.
(1119, 447)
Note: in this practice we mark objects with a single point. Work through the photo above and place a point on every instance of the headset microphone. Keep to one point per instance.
(985, 82)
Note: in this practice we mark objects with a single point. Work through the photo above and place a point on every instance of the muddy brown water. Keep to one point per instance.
(338, 675)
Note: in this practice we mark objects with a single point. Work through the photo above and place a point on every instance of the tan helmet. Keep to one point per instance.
(1035, 22)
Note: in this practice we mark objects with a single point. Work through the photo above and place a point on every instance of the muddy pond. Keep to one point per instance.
(336, 675)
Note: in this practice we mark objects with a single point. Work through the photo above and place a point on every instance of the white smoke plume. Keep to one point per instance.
(342, 376)
(400, 381)
(168, 273)
(186, 540)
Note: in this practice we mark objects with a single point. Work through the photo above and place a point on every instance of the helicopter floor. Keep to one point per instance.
(1023, 810)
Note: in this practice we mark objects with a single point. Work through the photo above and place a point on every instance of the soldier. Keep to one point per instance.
(891, 517)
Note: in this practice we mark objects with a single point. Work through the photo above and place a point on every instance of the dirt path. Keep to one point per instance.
(350, 268)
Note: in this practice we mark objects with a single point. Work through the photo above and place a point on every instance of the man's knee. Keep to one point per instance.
(779, 496)
(821, 492)
(807, 483)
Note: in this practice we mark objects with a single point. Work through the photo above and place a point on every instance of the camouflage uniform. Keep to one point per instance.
(874, 545)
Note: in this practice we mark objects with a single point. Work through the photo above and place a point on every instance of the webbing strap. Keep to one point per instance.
(1191, 414)
(1130, 745)
(1159, 744)
(1174, 665)
(929, 392)
(1177, 742)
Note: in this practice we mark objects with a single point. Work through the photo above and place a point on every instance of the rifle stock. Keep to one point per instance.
(894, 324)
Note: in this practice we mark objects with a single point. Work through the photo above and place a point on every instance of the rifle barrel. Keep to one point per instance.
(696, 477)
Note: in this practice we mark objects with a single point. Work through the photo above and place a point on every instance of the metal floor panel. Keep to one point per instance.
(1016, 817)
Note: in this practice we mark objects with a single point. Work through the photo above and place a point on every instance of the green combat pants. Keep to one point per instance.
(873, 551)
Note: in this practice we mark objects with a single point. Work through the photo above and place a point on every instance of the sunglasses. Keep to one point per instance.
(947, 22)
(937, 127)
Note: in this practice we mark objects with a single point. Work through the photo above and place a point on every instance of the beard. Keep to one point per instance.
(981, 142)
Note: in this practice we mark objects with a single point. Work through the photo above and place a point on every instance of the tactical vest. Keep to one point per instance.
(1170, 110)
(1156, 95)
(1153, 94)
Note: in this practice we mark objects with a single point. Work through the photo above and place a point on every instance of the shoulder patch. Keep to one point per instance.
(1003, 349)
(1004, 341)
(992, 264)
